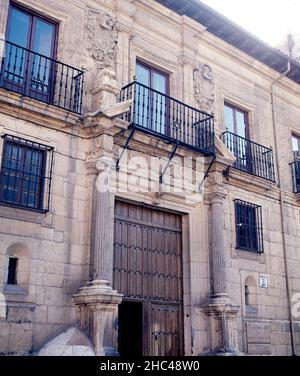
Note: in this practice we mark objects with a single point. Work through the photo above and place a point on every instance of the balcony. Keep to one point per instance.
(296, 176)
(252, 158)
(39, 77)
(158, 114)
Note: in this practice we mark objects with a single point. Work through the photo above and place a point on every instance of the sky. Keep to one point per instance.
(269, 20)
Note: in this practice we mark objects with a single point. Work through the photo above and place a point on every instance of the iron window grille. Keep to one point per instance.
(296, 175)
(249, 229)
(26, 174)
(251, 157)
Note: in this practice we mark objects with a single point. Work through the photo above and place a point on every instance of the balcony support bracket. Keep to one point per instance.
(161, 177)
(206, 175)
(125, 147)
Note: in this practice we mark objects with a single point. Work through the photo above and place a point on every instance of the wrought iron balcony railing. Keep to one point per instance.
(158, 114)
(40, 77)
(296, 175)
(251, 157)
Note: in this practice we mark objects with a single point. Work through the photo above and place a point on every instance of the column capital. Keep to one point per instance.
(217, 195)
(105, 163)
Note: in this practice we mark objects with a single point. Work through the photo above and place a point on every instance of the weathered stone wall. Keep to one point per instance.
(55, 248)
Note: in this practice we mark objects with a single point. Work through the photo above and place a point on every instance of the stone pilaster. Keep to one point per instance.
(105, 90)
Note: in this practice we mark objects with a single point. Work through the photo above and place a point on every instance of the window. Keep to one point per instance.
(296, 147)
(152, 78)
(236, 120)
(152, 106)
(249, 231)
(296, 163)
(12, 271)
(25, 177)
(25, 72)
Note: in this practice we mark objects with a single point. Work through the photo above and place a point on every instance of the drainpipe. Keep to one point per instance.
(286, 263)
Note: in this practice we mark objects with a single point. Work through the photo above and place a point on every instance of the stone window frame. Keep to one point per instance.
(44, 219)
(241, 254)
(21, 252)
(252, 307)
(12, 271)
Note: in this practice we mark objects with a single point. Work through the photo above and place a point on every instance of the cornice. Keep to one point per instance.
(28, 109)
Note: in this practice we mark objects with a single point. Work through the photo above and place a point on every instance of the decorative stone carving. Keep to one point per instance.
(101, 38)
(204, 87)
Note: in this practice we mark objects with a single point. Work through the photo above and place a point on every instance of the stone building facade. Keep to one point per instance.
(145, 227)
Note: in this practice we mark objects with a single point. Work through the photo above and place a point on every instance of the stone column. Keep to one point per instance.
(221, 310)
(97, 301)
(104, 220)
(102, 265)
(217, 246)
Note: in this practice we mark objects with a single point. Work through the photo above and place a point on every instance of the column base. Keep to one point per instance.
(98, 315)
(222, 312)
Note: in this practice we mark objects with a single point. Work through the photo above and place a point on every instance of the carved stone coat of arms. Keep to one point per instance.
(101, 38)
(204, 87)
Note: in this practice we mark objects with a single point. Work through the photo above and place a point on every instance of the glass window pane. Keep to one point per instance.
(142, 96)
(18, 29)
(43, 44)
(240, 123)
(229, 120)
(43, 38)
(159, 102)
(159, 82)
(295, 141)
(18, 33)
(143, 75)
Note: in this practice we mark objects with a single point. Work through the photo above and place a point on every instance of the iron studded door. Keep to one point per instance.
(148, 269)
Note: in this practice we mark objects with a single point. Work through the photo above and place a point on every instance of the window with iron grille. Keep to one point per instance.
(25, 177)
(249, 230)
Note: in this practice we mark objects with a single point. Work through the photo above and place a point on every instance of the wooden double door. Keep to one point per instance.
(148, 271)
